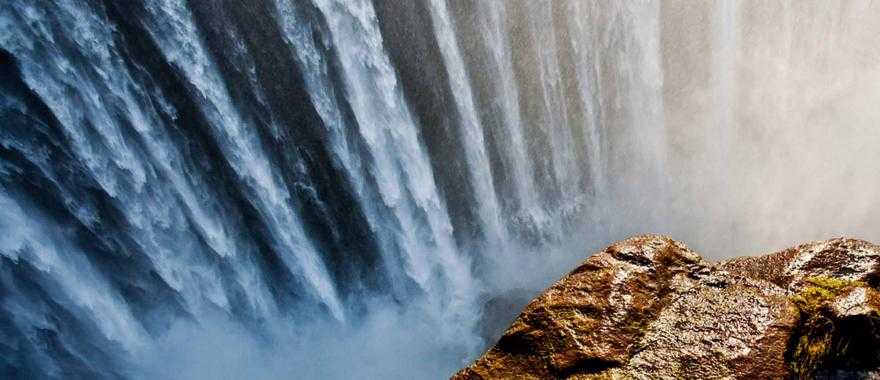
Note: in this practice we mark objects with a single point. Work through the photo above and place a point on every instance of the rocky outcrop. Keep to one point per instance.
(650, 308)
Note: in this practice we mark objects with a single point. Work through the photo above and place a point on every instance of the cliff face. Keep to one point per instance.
(648, 307)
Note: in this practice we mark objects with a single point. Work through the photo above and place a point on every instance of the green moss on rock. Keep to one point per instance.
(817, 342)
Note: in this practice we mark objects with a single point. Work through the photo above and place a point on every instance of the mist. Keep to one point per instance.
(773, 132)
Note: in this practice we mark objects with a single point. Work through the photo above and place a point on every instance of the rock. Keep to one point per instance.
(650, 308)
(839, 333)
(844, 259)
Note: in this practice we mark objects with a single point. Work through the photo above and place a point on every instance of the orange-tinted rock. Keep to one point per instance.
(648, 308)
(844, 259)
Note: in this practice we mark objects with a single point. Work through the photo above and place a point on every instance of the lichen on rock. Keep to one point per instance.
(837, 332)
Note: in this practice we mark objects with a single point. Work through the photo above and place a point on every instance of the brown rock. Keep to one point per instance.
(844, 259)
(649, 308)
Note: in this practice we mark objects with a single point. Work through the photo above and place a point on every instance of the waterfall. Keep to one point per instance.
(175, 34)
(583, 35)
(302, 37)
(470, 127)
(554, 119)
(177, 159)
(351, 188)
(256, 183)
(401, 168)
(493, 29)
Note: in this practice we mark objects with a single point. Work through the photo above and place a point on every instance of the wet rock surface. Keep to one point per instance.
(650, 308)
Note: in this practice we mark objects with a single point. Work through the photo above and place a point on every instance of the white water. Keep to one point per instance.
(584, 34)
(554, 120)
(151, 207)
(470, 128)
(400, 163)
(493, 23)
(175, 33)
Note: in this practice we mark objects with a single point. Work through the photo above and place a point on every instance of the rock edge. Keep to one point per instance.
(650, 308)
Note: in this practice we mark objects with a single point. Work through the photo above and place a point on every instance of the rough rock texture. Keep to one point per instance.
(650, 308)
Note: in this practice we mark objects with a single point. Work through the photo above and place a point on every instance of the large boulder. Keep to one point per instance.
(650, 308)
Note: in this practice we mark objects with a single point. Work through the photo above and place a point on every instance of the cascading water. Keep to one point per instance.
(350, 188)
(470, 126)
(492, 18)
